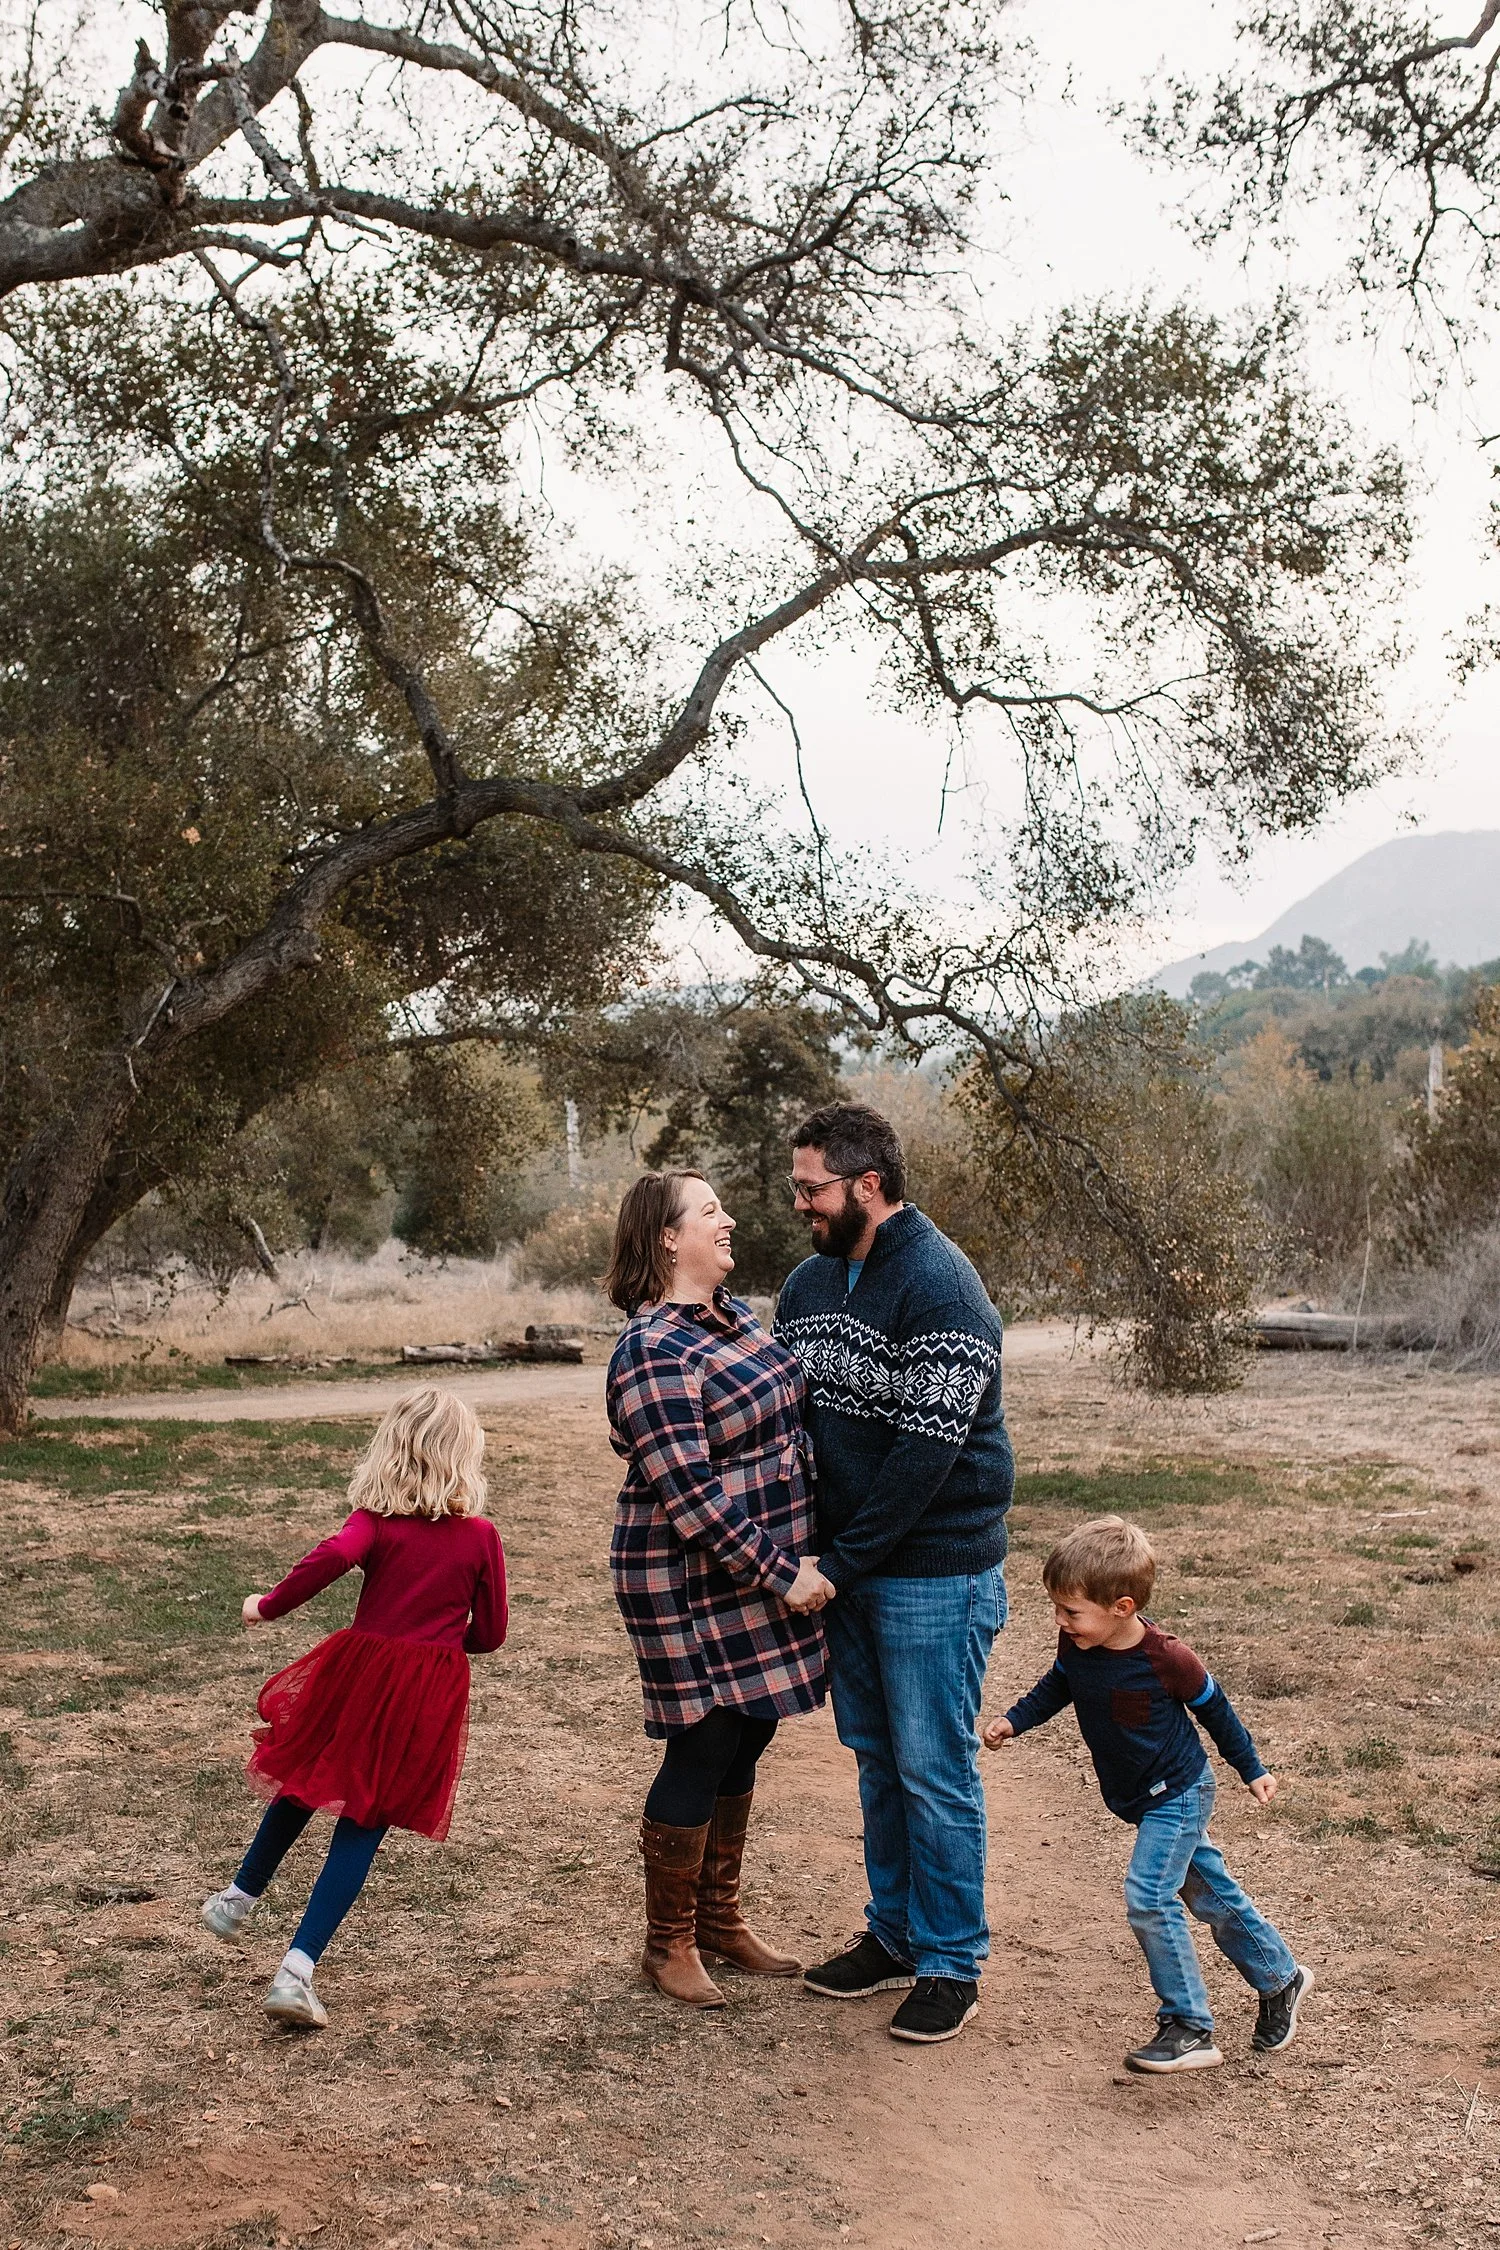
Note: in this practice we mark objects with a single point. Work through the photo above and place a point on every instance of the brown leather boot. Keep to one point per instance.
(722, 1928)
(674, 1860)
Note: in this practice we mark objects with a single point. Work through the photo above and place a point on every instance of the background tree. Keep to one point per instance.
(1450, 1185)
(470, 1119)
(1163, 1239)
(730, 1081)
(738, 257)
(159, 771)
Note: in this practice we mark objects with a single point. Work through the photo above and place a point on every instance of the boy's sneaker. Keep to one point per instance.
(862, 1968)
(1177, 2046)
(292, 2000)
(226, 1914)
(1276, 2021)
(937, 2010)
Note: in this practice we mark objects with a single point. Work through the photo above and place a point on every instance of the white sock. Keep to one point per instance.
(241, 1901)
(300, 1965)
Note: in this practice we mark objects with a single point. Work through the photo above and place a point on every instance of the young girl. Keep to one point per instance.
(370, 1725)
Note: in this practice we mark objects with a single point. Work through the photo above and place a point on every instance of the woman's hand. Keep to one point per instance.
(250, 1610)
(809, 1590)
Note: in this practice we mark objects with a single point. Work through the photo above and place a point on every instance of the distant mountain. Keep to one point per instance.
(1443, 890)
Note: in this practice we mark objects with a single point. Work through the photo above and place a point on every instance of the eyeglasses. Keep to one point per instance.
(809, 1190)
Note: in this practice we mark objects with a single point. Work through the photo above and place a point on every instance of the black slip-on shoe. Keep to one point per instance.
(864, 1967)
(1276, 2020)
(1177, 2046)
(938, 2009)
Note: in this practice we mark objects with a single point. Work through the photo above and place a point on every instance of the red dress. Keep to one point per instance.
(372, 1722)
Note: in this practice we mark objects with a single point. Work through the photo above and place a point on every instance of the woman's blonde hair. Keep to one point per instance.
(424, 1460)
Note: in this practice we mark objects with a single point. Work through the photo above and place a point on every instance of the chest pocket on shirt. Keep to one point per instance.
(1130, 1706)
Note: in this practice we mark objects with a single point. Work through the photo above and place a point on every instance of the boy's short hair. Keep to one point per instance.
(1103, 1560)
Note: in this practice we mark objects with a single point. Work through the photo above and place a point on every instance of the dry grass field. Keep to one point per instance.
(176, 1330)
(496, 2075)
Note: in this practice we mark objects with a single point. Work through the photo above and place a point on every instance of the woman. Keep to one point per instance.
(707, 1410)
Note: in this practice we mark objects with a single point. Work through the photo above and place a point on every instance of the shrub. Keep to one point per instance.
(1110, 1192)
(1451, 1180)
(1314, 1152)
(571, 1247)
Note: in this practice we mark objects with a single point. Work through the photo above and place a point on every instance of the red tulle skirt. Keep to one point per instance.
(368, 1727)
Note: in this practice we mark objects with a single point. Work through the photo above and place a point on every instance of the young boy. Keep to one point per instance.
(1133, 1687)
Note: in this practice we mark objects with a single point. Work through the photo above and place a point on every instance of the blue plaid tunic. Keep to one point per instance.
(716, 1507)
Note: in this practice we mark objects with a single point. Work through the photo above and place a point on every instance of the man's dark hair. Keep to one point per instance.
(851, 1140)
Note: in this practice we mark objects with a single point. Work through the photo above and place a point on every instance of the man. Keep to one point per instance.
(901, 1348)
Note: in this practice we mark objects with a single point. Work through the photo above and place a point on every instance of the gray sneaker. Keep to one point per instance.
(291, 2000)
(224, 1917)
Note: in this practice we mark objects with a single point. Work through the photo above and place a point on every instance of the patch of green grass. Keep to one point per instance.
(1421, 1830)
(1157, 1487)
(1365, 1825)
(1375, 1755)
(1359, 1613)
(177, 1373)
(61, 2126)
(89, 1459)
(1143, 1491)
(158, 1602)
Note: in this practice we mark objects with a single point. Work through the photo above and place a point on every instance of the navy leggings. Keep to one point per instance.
(340, 1882)
(714, 1758)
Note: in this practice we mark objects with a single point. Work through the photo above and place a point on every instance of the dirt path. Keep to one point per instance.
(488, 1390)
(1021, 2133)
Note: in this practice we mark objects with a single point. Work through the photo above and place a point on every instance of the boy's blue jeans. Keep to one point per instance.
(907, 1658)
(1175, 1866)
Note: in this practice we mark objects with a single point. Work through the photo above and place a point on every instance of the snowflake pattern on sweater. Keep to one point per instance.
(930, 1386)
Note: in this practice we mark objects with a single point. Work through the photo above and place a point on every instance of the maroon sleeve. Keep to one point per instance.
(489, 1616)
(1181, 1673)
(346, 1550)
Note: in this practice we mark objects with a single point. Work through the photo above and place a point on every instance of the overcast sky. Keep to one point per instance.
(1083, 216)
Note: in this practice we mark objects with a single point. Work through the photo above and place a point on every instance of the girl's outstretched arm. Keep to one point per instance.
(346, 1550)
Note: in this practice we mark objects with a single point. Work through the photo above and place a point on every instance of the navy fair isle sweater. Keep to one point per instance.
(1132, 1706)
(914, 1466)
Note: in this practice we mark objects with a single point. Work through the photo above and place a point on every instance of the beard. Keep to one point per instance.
(835, 1233)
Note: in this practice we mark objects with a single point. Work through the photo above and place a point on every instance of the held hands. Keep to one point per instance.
(250, 1610)
(998, 1731)
(1263, 1788)
(809, 1590)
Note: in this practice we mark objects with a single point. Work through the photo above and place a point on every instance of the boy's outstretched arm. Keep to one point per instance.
(1052, 1693)
(1223, 1725)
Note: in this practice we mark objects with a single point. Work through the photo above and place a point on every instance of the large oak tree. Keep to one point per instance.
(317, 303)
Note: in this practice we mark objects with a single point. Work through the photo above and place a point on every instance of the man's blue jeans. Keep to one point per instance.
(1175, 1866)
(907, 1659)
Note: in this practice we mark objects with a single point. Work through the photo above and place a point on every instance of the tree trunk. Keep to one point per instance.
(46, 1198)
(127, 1177)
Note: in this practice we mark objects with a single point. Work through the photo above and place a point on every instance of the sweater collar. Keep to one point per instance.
(897, 1233)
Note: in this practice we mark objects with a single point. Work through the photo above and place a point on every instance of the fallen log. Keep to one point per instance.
(298, 1360)
(1339, 1332)
(490, 1354)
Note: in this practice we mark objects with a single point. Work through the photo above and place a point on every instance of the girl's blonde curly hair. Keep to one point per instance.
(424, 1460)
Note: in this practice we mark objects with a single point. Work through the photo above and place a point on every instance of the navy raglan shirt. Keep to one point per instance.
(1133, 1706)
